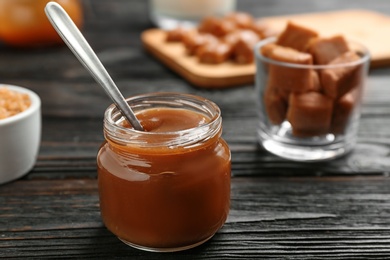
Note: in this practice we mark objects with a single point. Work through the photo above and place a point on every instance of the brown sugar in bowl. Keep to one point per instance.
(20, 131)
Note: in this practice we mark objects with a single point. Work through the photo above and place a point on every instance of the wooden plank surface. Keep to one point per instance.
(302, 218)
(279, 209)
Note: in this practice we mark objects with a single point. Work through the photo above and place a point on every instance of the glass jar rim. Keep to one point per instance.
(365, 57)
(117, 132)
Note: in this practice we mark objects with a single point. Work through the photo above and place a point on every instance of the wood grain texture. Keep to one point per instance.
(298, 218)
(279, 209)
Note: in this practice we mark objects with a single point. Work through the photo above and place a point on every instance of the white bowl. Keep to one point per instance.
(20, 137)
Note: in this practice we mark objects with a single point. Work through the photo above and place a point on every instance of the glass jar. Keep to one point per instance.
(168, 190)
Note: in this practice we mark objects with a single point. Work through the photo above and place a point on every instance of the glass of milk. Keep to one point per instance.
(168, 14)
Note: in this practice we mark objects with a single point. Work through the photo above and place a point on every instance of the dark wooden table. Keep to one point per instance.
(279, 209)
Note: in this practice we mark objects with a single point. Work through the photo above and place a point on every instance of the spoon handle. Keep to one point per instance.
(76, 42)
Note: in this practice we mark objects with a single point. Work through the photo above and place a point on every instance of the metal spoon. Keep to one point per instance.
(83, 51)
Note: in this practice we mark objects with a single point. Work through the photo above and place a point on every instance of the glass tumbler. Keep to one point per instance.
(309, 112)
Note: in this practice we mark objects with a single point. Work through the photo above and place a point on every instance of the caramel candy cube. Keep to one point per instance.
(176, 35)
(324, 50)
(296, 37)
(193, 40)
(243, 49)
(309, 114)
(214, 53)
(316, 84)
(240, 19)
(232, 38)
(208, 24)
(216, 26)
(275, 105)
(343, 108)
(263, 29)
(338, 81)
(267, 50)
(289, 78)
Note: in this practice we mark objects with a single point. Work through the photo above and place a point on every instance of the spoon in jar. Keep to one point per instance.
(76, 42)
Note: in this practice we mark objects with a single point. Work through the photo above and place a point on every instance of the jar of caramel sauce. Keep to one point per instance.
(166, 188)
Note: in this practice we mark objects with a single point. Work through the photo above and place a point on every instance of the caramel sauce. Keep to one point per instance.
(159, 199)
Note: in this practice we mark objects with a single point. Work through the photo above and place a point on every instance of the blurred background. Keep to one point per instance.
(113, 31)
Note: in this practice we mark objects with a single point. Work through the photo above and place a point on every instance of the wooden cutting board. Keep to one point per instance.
(367, 27)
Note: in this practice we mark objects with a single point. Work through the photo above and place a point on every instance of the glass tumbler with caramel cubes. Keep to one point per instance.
(309, 90)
